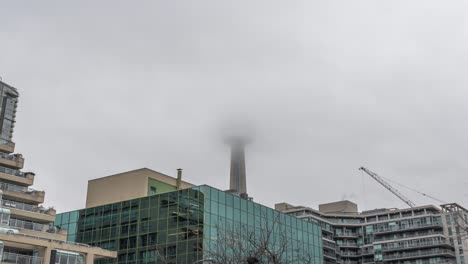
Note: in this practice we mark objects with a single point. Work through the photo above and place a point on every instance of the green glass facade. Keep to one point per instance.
(190, 225)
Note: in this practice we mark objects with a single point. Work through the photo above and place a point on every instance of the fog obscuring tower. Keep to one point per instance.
(238, 182)
(237, 132)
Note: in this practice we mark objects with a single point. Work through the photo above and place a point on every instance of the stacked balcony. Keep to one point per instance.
(23, 202)
(12, 160)
(7, 146)
(329, 250)
(22, 193)
(30, 212)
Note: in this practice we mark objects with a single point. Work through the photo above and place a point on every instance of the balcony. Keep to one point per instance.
(11, 160)
(330, 255)
(349, 254)
(37, 229)
(348, 245)
(418, 245)
(16, 223)
(7, 146)
(367, 252)
(16, 176)
(30, 212)
(346, 235)
(420, 254)
(329, 245)
(394, 229)
(20, 259)
(409, 235)
(350, 262)
(21, 193)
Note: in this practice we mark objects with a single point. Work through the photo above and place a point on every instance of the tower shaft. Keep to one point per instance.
(238, 176)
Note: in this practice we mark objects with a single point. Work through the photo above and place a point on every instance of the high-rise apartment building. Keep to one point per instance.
(26, 233)
(419, 235)
(8, 102)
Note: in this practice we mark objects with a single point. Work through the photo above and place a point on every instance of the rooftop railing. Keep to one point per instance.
(24, 206)
(20, 259)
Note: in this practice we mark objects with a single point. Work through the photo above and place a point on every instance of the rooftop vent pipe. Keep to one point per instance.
(179, 179)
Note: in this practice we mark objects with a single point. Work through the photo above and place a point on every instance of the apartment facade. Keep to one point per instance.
(420, 235)
(183, 223)
(26, 233)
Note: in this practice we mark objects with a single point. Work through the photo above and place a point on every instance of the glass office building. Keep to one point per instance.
(192, 226)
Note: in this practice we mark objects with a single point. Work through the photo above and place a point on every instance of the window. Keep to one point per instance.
(152, 190)
(4, 216)
(447, 217)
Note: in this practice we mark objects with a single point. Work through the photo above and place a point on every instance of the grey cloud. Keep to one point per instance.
(331, 86)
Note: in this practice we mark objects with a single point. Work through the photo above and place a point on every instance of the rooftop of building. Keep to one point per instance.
(160, 176)
(288, 208)
(132, 184)
(12, 89)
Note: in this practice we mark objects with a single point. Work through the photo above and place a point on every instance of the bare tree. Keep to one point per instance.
(268, 243)
(161, 255)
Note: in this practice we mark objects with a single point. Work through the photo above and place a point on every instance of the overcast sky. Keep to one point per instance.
(111, 86)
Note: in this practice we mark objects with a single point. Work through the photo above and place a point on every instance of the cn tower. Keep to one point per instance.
(238, 182)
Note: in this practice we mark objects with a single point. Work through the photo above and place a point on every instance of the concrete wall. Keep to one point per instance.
(128, 185)
(339, 207)
(119, 187)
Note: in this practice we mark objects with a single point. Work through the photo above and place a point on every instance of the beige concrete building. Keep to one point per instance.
(130, 185)
(343, 207)
(26, 233)
(418, 235)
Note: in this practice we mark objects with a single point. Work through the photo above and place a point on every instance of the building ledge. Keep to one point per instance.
(57, 244)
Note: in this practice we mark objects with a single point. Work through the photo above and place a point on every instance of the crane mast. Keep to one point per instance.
(388, 187)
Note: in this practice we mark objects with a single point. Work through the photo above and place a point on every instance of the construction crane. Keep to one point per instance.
(388, 187)
(410, 203)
